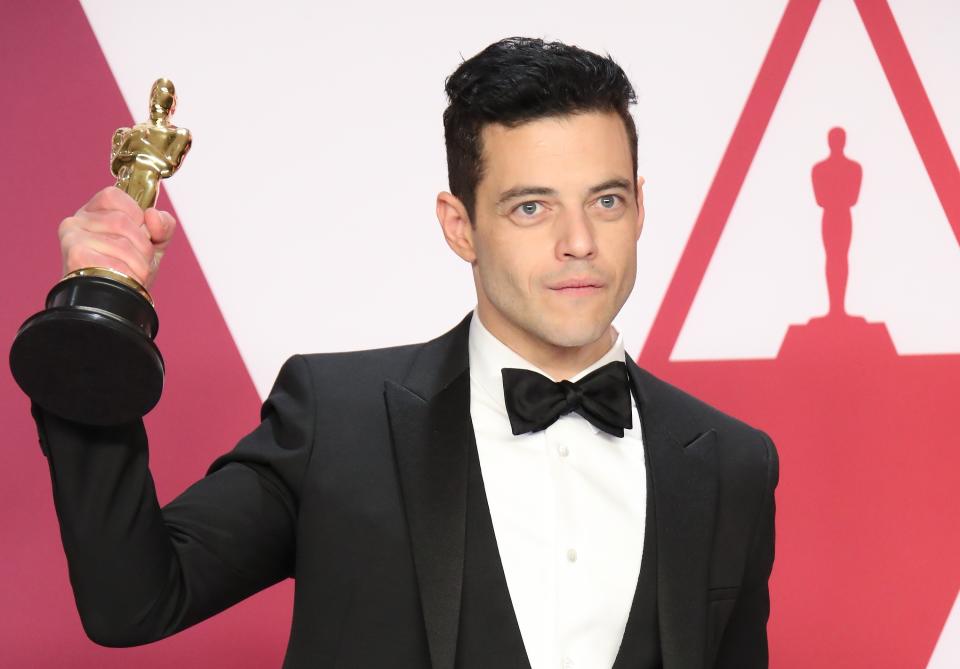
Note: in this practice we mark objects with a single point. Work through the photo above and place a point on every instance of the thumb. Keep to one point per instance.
(160, 226)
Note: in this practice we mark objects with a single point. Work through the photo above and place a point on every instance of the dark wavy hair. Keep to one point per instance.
(519, 79)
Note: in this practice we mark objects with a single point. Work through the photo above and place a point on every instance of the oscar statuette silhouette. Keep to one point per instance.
(836, 186)
(89, 356)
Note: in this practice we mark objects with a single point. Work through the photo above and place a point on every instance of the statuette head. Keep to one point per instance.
(836, 138)
(163, 100)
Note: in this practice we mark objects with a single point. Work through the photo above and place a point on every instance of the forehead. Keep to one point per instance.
(556, 151)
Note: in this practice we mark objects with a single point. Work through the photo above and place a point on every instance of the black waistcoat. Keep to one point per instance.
(489, 634)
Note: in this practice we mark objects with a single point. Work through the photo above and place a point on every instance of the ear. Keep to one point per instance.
(455, 223)
(641, 212)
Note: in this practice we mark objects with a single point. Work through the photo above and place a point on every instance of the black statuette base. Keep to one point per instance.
(90, 356)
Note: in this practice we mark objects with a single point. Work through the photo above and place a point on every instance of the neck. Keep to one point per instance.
(560, 362)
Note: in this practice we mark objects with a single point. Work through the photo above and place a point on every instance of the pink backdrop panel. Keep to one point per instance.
(60, 108)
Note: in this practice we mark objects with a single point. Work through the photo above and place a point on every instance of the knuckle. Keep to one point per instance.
(112, 196)
(67, 226)
(104, 199)
(68, 240)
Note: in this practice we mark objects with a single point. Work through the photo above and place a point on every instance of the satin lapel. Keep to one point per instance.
(685, 487)
(430, 422)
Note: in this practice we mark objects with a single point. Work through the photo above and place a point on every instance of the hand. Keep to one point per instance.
(112, 231)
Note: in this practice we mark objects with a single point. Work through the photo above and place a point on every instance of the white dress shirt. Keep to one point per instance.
(568, 506)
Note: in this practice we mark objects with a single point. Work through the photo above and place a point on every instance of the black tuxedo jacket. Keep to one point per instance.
(354, 484)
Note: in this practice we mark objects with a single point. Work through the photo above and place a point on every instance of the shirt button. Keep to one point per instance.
(572, 555)
(563, 451)
(566, 663)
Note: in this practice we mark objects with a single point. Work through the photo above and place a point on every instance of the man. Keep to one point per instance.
(513, 493)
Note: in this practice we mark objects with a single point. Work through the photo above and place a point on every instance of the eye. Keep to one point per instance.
(608, 201)
(529, 208)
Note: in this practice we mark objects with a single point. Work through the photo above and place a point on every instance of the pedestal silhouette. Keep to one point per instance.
(836, 186)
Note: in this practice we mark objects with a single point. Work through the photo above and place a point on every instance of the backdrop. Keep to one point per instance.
(306, 210)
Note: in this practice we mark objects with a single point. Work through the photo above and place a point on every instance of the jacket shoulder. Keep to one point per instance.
(421, 366)
(690, 406)
(339, 371)
(688, 416)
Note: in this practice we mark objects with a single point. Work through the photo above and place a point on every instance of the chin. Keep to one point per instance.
(575, 334)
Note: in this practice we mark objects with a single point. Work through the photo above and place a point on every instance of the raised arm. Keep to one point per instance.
(139, 572)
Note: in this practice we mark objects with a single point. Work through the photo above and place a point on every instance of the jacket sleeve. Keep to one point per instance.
(139, 572)
(744, 641)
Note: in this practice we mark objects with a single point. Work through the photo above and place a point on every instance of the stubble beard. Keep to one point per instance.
(541, 324)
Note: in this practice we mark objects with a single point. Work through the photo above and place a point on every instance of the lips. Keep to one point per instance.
(577, 283)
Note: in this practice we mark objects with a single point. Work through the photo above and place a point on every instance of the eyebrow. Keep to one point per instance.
(522, 191)
(610, 184)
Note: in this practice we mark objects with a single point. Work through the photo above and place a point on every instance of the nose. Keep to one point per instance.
(576, 238)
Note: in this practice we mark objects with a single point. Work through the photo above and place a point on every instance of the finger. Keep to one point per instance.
(160, 225)
(80, 257)
(122, 250)
(116, 223)
(111, 198)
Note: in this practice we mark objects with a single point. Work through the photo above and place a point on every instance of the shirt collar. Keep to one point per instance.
(489, 355)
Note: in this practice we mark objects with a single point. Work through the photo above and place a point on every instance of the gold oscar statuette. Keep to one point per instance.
(90, 355)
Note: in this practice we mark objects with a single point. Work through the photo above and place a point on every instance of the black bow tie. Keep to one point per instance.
(534, 402)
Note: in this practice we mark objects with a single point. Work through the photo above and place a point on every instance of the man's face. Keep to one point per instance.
(557, 218)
